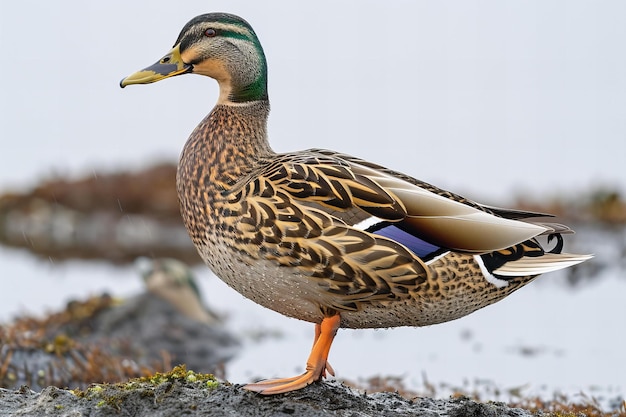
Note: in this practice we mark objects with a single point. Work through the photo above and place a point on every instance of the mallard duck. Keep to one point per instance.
(326, 237)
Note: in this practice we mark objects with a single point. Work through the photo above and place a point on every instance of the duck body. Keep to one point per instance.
(265, 231)
(326, 237)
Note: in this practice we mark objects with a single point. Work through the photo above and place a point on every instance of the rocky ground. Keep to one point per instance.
(198, 396)
(181, 392)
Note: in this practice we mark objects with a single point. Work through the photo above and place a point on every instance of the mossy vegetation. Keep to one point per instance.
(178, 373)
(114, 395)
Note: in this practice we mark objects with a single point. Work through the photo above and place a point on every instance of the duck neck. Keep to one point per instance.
(237, 92)
(226, 145)
(244, 80)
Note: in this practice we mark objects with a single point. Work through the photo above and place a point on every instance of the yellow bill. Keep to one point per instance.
(168, 66)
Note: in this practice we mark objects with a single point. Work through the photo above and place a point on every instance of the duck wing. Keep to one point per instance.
(358, 193)
(444, 218)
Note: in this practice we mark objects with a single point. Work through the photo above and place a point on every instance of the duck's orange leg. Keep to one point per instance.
(316, 365)
(318, 332)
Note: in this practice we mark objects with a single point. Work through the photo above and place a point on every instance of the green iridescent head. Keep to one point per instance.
(221, 46)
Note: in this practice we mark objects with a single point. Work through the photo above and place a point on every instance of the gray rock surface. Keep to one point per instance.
(194, 398)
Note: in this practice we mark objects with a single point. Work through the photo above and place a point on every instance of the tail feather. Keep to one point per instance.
(540, 265)
(515, 214)
(554, 228)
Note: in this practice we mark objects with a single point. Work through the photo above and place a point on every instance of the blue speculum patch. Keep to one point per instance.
(419, 247)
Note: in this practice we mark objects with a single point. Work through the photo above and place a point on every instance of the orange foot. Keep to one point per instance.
(316, 365)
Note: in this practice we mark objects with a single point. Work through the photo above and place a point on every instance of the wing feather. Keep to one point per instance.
(349, 265)
(344, 190)
(450, 223)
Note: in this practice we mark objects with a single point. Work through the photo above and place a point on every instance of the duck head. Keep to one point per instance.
(221, 46)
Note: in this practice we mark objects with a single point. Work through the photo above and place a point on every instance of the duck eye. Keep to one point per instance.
(210, 33)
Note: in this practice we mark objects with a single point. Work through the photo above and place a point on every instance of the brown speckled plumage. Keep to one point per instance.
(248, 209)
(326, 237)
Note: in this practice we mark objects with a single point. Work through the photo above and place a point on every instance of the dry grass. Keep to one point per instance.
(49, 351)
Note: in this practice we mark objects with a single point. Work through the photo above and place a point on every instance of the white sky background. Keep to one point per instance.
(485, 98)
